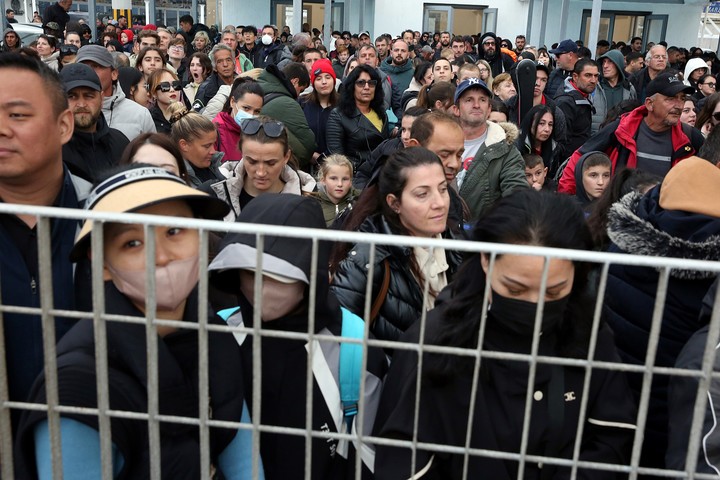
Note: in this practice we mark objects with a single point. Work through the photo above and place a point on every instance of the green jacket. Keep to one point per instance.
(496, 170)
(286, 109)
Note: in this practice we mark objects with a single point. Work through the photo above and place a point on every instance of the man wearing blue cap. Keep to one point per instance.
(492, 167)
(565, 58)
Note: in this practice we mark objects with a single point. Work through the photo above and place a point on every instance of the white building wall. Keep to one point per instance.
(246, 12)
(395, 16)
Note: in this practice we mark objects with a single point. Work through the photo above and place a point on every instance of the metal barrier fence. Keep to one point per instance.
(54, 409)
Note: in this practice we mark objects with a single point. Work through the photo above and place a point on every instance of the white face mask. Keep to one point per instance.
(242, 115)
(173, 282)
(278, 298)
(266, 39)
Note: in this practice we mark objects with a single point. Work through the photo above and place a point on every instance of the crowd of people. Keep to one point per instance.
(419, 134)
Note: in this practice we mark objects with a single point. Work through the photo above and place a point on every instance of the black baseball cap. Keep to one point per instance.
(668, 84)
(79, 75)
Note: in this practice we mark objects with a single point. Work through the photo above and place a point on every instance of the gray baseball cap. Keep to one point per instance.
(95, 53)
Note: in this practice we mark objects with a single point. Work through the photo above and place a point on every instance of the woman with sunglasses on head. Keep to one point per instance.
(505, 322)
(165, 90)
(264, 167)
(358, 124)
(151, 191)
(195, 136)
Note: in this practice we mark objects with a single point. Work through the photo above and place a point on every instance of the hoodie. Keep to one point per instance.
(401, 75)
(284, 360)
(692, 65)
(578, 109)
(127, 116)
(499, 62)
(605, 96)
(4, 47)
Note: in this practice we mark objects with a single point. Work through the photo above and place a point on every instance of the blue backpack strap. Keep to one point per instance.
(227, 313)
(351, 364)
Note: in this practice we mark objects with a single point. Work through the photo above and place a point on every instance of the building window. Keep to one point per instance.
(623, 26)
(458, 20)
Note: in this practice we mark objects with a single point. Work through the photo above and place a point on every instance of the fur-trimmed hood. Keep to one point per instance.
(509, 133)
(638, 225)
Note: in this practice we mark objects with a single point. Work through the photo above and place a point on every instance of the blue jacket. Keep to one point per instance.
(23, 333)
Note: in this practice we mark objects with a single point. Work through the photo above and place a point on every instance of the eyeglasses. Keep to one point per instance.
(711, 85)
(166, 86)
(659, 57)
(489, 43)
(716, 116)
(483, 70)
(362, 83)
(272, 128)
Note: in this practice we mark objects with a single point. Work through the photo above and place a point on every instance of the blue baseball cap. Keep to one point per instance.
(471, 83)
(566, 46)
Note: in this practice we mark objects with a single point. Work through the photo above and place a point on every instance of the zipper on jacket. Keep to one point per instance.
(33, 285)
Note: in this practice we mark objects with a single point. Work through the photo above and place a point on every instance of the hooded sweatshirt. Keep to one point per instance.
(89, 155)
(127, 116)
(692, 65)
(284, 361)
(605, 96)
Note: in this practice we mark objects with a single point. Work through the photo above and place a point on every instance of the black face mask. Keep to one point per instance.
(517, 317)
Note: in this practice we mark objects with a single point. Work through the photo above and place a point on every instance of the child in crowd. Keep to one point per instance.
(592, 176)
(536, 172)
(336, 192)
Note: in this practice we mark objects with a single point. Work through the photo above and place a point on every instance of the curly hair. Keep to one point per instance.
(347, 105)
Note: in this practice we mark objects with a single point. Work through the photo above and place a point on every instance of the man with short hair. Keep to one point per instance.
(57, 13)
(248, 45)
(409, 37)
(398, 66)
(458, 47)
(223, 62)
(281, 92)
(367, 55)
(310, 56)
(120, 113)
(73, 38)
(364, 39)
(10, 16)
(489, 50)
(601, 48)
(144, 39)
(442, 44)
(612, 89)
(492, 166)
(577, 105)
(634, 62)
(381, 45)
(519, 44)
(164, 37)
(273, 52)
(94, 147)
(656, 62)
(122, 22)
(242, 64)
(565, 59)
(650, 138)
(636, 44)
(674, 59)
(35, 122)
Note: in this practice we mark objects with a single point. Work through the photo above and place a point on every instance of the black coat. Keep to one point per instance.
(578, 111)
(354, 136)
(498, 414)
(404, 301)
(162, 125)
(127, 380)
(638, 225)
(89, 155)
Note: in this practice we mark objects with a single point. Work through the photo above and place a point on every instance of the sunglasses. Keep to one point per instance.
(68, 50)
(362, 83)
(166, 86)
(251, 126)
(716, 116)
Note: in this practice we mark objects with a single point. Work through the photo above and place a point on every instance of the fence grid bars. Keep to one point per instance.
(360, 436)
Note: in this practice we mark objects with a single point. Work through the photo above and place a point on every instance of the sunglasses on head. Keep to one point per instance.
(362, 83)
(166, 86)
(272, 128)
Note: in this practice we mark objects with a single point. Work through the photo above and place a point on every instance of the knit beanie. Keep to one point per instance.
(129, 34)
(322, 66)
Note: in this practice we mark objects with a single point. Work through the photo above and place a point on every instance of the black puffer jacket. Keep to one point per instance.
(638, 225)
(404, 301)
(353, 135)
(89, 155)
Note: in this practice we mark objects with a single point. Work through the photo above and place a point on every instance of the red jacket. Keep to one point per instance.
(617, 140)
(228, 137)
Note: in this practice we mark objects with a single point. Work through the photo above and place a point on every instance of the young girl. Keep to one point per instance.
(336, 191)
(153, 191)
(165, 90)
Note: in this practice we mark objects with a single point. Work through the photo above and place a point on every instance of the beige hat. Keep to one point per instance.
(692, 186)
(137, 188)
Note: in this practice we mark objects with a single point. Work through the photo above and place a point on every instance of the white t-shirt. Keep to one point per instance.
(471, 149)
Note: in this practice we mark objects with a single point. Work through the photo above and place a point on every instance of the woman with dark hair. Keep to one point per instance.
(410, 198)
(245, 101)
(498, 111)
(319, 103)
(45, 47)
(134, 85)
(437, 96)
(709, 115)
(199, 69)
(150, 59)
(358, 124)
(706, 86)
(422, 77)
(156, 149)
(537, 136)
(492, 304)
